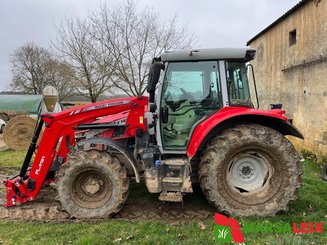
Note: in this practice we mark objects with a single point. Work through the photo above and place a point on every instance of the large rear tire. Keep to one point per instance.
(92, 184)
(250, 170)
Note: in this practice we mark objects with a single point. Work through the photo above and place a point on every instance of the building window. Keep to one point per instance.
(292, 37)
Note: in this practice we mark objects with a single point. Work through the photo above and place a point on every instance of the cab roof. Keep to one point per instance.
(241, 54)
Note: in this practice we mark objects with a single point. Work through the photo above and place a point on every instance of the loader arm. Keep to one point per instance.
(59, 137)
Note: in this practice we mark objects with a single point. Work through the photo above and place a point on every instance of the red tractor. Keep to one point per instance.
(197, 125)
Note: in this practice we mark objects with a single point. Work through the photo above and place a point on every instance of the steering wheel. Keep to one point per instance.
(187, 95)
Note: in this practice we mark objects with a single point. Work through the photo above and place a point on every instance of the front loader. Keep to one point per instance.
(198, 125)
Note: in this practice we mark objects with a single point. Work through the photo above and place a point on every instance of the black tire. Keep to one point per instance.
(234, 152)
(324, 172)
(92, 184)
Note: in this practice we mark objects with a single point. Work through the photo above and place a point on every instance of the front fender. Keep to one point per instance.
(117, 147)
(230, 116)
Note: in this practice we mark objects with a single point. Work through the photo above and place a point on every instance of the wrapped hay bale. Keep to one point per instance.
(19, 132)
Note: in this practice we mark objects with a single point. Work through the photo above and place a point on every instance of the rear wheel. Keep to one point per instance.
(250, 170)
(92, 184)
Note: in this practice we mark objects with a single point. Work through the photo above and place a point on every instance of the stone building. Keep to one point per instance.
(291, 68)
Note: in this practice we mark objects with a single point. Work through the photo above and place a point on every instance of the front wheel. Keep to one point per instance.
(250, 170)
(92, 184)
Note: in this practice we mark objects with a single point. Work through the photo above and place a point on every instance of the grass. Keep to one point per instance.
(11, 158)
(106, 232)
(311, 206)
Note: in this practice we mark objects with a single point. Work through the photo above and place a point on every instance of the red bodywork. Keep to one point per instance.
(202, 130)
(60, 125)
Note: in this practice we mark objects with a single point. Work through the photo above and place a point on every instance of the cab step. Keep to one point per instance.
(176, 161)
(175, 174)
(172, 180)
(171, 196)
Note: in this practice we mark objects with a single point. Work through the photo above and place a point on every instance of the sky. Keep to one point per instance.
(214, 23)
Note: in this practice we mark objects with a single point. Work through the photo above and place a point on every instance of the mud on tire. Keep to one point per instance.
(92, 184)
(250, 170)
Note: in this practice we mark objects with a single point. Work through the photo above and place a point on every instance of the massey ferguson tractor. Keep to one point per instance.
(198, 125)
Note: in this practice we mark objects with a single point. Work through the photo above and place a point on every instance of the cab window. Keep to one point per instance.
(237, 84)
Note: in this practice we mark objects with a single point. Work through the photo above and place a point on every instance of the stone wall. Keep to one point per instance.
(296, 75)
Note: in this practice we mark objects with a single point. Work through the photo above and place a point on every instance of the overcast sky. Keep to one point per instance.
(215, 23)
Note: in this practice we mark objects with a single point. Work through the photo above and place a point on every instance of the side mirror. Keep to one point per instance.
(153, 77)
(164, 114)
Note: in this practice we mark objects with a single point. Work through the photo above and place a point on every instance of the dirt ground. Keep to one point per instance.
(46, 208)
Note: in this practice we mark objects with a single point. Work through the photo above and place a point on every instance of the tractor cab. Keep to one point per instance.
(206, 124)
(192, 86)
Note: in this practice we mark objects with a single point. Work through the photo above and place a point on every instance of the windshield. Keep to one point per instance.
(237, 84)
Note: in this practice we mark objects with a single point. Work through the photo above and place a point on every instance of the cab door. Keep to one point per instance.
(191, 92)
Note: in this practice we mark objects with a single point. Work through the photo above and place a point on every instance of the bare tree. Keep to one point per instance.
(133, 37)
(61, 76)
(92, 64)
(34, 67)
(29, 68)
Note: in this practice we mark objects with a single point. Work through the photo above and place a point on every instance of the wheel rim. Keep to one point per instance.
(249, 172)
(91, 189)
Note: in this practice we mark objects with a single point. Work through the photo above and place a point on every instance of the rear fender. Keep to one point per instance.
(115, 147)
(230, 116)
